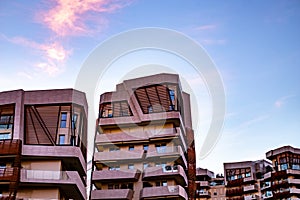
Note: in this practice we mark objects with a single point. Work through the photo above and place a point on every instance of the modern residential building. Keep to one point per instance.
(144, 145)
(43, 144)
(284, 181)
(208, 186)
(243, 179)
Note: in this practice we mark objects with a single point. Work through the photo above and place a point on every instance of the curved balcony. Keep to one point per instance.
(124, 137)
(176, 172)
(69, 154)
(113, 156)
(67, 180)
(171, 152)
(116, 194)
(120, 175)
(175, 192)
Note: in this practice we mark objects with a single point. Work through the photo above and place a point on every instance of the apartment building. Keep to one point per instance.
(243, 179)
(283, 181)
(43, 144)
(209, 186)
(144, 144)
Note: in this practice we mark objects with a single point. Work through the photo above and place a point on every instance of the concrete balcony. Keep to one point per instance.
(113, 156)
(175, 192)
(169, 172)
(67, 180)
(294, 181)
(203, 194)
(171, 152)
(121, 194)
(293, 172)
(295, 191)
(125, 137)
(267, 175)
(120, 175)
(250, 188)
(248, 179)
(251, 197)
(204, 184)
(71, 154)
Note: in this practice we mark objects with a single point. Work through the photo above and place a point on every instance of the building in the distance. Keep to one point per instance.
(209, 186)
(43, 144)
(243, 179)
(144, 145)
(284, 181)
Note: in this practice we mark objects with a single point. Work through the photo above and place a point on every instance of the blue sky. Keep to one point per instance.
(255, 46)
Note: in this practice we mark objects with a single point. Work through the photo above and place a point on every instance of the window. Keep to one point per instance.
(6, 122)
(283, 166)
(215, 193)
(116, 186)
(145, 147)
(110, 186)
(248, 174)
(172, 99)
(296, 167)
(164, 183)
(161, 148)
(109, 113)
(115, 167)
(72, 140)
(131, 166)
(114, 148)
(2, 165)
(74, 120)
(61, 139)
(63, 120)
(131, 148)
(5, 136)
(150, 109)
(145, 165)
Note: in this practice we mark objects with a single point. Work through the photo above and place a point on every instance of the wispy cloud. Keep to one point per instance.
(52, 55)
(206, 27)
(71, 17)
(214, 41)
(281, 101)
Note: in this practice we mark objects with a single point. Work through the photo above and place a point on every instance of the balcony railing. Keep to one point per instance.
(55, 178)
(250, 188)
(9, 174)
(176, 171)
(10, 147)
(110, 175)
(251, 197)
(164, 192)
(174, 152)
(122, 194)
(203, 193)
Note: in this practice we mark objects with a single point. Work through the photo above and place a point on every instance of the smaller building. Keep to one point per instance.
(242, 179)
(283, 180)
(208, 186)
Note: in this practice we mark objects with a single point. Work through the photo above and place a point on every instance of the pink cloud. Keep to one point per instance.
(53, 54)
(70, 17)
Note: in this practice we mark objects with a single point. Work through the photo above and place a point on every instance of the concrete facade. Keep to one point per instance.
(43, 144)
(144, 145)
